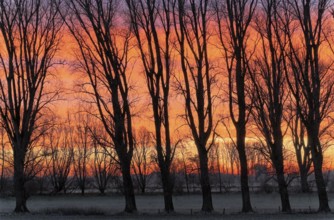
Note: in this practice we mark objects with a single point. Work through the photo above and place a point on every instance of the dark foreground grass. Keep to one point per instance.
(78, 213)
(72, 212)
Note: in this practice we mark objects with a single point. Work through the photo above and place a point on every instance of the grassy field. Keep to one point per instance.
(266, 206)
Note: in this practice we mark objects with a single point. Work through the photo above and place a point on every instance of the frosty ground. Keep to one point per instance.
(227, 206)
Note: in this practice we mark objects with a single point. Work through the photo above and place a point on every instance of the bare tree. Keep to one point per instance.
(35, 163)
(141, 161)
(268, 86)
(300, 144)
(61, 152)
(35, 160)
(230, 154)
(310, 78)
(152, 23)
(215, 155)
(30, 30)
(43, 176)
(104, 167)
(103, 41)
(234, 17)
(183, 159)
(82, 151)
(191, 19)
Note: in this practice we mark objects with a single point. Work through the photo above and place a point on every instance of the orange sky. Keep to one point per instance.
(68, 77)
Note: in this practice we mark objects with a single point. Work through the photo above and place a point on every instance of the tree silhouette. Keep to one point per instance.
(30, 30)
(233, 18)
(310, 83)
(269, 86)
(152, 25)
(191, 21)
(103, 42)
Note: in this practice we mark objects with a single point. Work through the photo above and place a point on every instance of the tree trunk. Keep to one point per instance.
(130, 202)
(303, 181)
(303, 171)
(246, 203)
(319, 178)
(102, 191)
(163, 162)
(187, 181)
(321, 186)
(205, 184)
(168, 191)
(278, 162)
(283, 188)
(168, 199)
(220, 182)
(20, 193)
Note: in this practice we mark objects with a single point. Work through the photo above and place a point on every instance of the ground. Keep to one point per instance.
(266, 206)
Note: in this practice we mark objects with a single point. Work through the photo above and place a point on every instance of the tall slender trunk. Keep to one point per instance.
(246, 203)
(278, 162)
(187, 180)
(220, 181)
(283, 190)
(321, 186)
(319, 178)
(20, 192)
(277, 158)
(130, 202)
(164, 161)
(205, 183)
(167, 190)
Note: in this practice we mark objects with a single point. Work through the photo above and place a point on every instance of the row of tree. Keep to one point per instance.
(274, 77)
(68, 156)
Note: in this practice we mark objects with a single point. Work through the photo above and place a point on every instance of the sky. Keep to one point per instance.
(68, 77)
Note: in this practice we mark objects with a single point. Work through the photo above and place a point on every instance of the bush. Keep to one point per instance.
(331, 186)
(178, 186)
(31, 187)
(6, 188)
(267, 188)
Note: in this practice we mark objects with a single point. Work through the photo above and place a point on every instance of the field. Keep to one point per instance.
(266, 206)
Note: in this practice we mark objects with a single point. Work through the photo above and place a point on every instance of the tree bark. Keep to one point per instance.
(167, 190)
(246, 203)
(130, 202)
(164, 162)
(20, 192)
(319, 178)
(283, 190)
(205, 184)
(279, 167)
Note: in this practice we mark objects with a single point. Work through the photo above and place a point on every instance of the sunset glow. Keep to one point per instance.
(161, 96)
